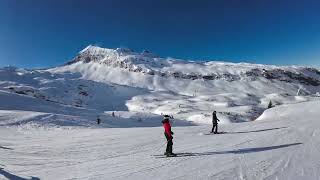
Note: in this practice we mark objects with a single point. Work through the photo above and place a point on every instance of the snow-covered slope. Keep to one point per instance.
(48, 127)
(191, 90)
(100, 79)
(283, 144)
(156, 73)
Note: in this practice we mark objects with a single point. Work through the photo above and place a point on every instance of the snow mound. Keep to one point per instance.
(297, 111)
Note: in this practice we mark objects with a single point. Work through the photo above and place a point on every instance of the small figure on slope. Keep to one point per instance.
(98, 120)
(214, 123)
(168, 134)
(270, 105)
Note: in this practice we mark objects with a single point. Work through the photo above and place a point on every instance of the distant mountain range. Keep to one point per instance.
(123, 80)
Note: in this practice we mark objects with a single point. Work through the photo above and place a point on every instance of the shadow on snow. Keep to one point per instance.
(238, 151)
(260, 130)
(2, 147)
(14, 177)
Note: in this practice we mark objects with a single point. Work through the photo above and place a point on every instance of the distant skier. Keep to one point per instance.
(214, 122)
(98, 120)
(168, 134)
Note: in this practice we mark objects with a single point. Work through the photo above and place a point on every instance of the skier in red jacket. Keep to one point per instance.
(168, 134)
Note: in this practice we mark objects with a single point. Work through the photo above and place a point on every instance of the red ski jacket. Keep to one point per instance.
(167, 128)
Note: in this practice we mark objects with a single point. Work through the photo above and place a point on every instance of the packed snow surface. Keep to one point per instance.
(49, 129)
(282, 144)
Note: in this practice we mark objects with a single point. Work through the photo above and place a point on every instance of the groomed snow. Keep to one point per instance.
(49, 130)
(282, 144)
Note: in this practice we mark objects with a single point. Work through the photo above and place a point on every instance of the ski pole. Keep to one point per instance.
(161, 146)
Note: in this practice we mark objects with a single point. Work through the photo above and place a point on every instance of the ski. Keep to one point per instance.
(215, 133)
(176, 155)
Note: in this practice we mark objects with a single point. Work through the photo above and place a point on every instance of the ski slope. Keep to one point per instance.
(49, 130)
(283, 143)
(100, 80)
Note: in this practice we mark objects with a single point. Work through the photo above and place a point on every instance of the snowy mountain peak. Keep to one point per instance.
(88, 48)
(121, 79)
(124, 58)
(104, 55)
(95, 50)
(146, 63)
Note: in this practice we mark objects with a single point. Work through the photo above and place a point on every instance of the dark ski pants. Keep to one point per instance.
(169, 144)
(214, 128)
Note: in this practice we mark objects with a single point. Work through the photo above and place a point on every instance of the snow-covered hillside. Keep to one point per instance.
(49, 130)
(282, 144)
(100, 80)
(191, 90)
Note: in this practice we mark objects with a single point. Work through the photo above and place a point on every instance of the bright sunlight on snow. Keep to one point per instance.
(99, 117)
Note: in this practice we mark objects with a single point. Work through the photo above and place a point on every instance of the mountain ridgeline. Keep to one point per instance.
(104, 80)
(149, 64)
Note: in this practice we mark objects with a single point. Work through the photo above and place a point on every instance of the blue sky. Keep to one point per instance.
(43, 33)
